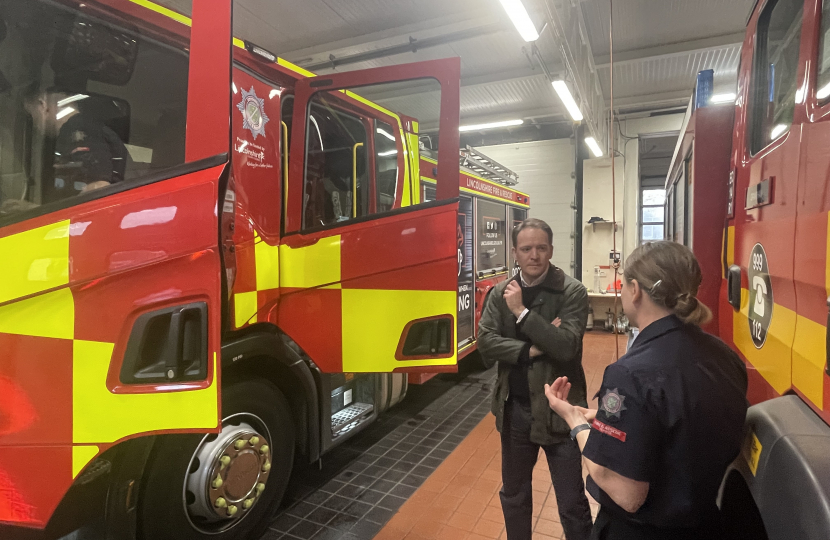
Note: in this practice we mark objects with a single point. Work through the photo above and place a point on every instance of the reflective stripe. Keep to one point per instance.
(34, 261)
(50, 315)
(81, 456)
(245, 308)
(310, 266)
(370, 340)
(809, 352)
(267, 264)
(774, 360)
(163, 11)
(100, 416)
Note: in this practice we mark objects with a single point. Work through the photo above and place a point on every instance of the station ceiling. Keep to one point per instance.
(659, 47)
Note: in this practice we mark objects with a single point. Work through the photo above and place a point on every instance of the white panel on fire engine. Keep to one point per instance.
(491, 240)
(363, 149)
(545, 171)
(466, 281)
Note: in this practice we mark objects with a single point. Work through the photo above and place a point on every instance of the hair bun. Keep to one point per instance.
(691, 310)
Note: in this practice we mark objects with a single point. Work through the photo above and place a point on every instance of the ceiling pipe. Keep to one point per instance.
(413, 45)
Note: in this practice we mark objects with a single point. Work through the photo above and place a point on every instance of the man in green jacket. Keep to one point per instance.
(532, 326)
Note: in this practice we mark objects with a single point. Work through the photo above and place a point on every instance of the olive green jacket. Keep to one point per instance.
(561, 296)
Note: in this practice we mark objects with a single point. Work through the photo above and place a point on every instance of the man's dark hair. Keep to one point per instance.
(531, 223)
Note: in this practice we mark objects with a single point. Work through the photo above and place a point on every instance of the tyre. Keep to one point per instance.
(221, 486)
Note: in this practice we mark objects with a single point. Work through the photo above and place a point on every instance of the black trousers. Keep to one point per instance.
(518, 457)
(611, 527)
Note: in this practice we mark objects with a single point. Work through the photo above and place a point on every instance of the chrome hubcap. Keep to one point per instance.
(227, 474)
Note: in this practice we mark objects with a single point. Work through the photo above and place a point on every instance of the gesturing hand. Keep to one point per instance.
(557, 394)
(513, 297)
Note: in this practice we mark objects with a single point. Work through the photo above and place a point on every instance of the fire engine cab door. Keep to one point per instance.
(375, 292)
(111, 297)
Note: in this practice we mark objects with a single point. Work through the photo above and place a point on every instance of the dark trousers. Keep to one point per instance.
(611, 527)
(518, 457)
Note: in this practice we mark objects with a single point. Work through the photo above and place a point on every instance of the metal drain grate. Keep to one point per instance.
(349, 415)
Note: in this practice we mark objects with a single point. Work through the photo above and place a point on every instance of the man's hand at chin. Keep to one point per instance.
(513, 297)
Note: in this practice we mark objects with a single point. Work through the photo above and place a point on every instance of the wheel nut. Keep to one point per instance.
(232, 509)
(220, 503)
(254, 440)
(266, 467)
(263, 449)
(260, 488)
(248, 503)
(225, 461)
(239, 445)
(217, 482)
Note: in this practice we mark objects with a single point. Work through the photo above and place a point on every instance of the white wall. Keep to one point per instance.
(545, 170)
(597, 240)
(630, 148)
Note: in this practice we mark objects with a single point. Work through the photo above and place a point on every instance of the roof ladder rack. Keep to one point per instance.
(486, 168)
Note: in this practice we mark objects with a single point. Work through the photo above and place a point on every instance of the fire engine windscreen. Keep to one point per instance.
(86, 102)
(363, 149)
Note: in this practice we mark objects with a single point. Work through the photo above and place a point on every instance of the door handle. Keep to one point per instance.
(733, 286)
(297, 241)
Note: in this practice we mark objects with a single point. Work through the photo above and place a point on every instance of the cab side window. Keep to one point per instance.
(85, 103)
(336, 185)
(386, 159)
(774, 72)
(823, 66)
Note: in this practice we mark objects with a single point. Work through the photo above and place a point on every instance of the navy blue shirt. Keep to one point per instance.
(671, 413)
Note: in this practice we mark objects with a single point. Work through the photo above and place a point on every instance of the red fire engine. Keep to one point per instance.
(748, 193)
(211, 259)
(489, 207)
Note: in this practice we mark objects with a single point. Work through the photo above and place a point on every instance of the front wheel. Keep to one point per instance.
(222, 486)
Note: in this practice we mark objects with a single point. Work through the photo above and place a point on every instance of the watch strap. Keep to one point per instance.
(581, 427)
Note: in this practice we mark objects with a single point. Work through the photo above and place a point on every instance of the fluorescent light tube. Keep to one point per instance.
(592, 144)
(778, 130)
(386, 134)
(71, 99)
(823, 92)
(521, 20)
(63, 113)
(567, 99)
(723, 98)
(388, 153)
(505, 123)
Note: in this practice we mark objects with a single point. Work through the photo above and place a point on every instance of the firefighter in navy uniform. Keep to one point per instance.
(671, 411)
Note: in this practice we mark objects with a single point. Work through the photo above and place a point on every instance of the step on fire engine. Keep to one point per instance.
(747, 191)
(212, 261)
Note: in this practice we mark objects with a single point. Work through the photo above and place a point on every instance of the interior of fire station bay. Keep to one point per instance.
(414, 269)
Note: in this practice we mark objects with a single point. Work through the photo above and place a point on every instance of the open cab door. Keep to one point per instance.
(368, 272)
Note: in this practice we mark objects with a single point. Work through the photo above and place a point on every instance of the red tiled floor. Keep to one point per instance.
(460, 500)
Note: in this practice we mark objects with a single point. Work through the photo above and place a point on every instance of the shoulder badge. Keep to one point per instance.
(612, 403)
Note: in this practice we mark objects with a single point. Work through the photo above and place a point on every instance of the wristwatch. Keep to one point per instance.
(581, 427)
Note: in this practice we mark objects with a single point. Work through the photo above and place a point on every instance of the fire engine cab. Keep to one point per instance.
(213, 262)
(747, 192)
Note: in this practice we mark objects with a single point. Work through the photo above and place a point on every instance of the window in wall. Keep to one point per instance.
(336, 181)
(652, 210)
(85, 103)
(823, 66)
(775, 67)
(386, 160)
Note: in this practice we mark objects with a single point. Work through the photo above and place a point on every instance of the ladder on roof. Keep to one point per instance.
(480, 165)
